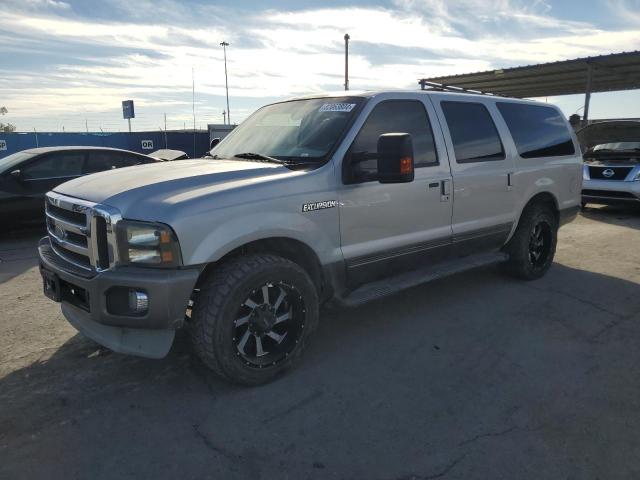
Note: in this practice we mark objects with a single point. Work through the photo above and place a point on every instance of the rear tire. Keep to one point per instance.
(253, 318)
(533, 245)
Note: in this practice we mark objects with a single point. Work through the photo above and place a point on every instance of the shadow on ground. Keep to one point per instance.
(473, 376)
(18, 251)
(622, 215)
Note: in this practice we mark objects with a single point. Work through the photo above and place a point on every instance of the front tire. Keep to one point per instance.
(253, 318)
(533, 245)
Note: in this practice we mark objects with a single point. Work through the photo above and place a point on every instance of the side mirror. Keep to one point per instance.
(214, 142)
(395, 158)
(16, 174)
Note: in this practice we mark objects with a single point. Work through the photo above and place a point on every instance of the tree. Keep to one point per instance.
(6, 127)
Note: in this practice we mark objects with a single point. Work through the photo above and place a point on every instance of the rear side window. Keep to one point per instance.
(131, 160)
(537, 131)
(473, 133)
(99, 161)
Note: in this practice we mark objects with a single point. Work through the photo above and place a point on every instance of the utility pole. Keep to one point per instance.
(224, 117)
(193, 108)
(165, 130)
(86, 125)
(226, 79)
(346, 61)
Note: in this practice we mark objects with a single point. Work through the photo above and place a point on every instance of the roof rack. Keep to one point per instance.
(448, 88)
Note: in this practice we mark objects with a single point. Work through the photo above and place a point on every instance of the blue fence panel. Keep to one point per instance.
(195, 145)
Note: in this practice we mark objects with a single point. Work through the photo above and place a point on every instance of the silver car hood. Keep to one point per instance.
(159, 182)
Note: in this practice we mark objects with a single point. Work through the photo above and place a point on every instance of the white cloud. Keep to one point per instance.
(272, 54)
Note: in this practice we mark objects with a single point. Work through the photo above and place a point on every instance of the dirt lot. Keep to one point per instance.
(475, 376)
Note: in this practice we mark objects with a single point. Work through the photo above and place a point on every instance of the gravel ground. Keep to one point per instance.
(474, 376)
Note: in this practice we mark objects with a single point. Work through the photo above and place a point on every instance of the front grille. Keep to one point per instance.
(619, 173)
(81, 232)
(609, 194)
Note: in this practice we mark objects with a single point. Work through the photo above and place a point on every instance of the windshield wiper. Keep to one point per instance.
(261, 157)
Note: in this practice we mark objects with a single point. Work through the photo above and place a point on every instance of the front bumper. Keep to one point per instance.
(610, 192)
(87, 303)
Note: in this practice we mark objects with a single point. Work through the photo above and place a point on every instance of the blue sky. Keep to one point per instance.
(67, 62)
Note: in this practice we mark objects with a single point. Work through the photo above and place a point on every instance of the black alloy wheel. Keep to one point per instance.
(269, 324)
(253, 317)
(540, 244)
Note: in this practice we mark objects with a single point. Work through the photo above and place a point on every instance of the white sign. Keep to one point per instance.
(147, 144)
(3, 144)
(337, 107)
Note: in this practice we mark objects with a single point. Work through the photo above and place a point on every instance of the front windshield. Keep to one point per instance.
(297, 131)
(618, 146)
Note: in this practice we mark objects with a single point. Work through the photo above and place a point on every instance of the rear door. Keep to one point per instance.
(386, 228)
(483, 192)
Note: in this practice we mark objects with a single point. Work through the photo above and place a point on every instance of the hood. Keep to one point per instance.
(158, 182)
(608, 132)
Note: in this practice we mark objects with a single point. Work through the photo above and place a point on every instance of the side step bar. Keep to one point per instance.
(389, 286)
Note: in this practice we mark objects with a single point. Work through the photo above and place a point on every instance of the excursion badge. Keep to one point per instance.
(311, 207)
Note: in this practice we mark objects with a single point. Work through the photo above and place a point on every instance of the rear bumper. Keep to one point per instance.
(88, 304)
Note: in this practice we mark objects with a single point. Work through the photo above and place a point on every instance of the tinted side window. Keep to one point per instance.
(396, 116)
(100, 161)
(54, 165)
(131, 160)
(537, 131)
(474, 135)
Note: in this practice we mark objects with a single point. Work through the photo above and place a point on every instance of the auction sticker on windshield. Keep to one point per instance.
(337, 107)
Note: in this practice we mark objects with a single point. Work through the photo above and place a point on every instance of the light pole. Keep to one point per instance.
(346, 61)
(226, 80)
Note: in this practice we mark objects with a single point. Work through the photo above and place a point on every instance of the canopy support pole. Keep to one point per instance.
(587, 95)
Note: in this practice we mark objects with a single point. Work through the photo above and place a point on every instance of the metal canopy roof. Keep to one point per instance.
(617, 71)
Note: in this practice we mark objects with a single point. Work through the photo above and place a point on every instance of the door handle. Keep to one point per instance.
(509, 181)
(445, 190)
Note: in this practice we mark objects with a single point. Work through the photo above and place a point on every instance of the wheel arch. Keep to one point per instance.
(544, 198)
(292, 249)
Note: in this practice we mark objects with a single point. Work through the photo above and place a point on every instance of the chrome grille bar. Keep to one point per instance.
(67, 225)
(67, 258)
(69, 245)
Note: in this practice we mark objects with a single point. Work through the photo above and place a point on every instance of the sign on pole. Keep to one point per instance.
(127, 109)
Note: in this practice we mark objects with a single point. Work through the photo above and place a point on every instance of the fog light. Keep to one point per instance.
(138, 301)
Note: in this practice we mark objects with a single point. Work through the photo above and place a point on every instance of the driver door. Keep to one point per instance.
(43, 174)
(388, 228)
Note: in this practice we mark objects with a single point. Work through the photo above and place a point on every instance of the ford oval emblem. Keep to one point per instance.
(60, 232)
(608, 173)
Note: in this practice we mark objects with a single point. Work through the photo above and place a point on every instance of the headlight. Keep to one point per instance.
(148, 244)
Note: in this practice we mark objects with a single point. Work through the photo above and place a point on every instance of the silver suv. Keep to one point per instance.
(339, 198)
(611, 162)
